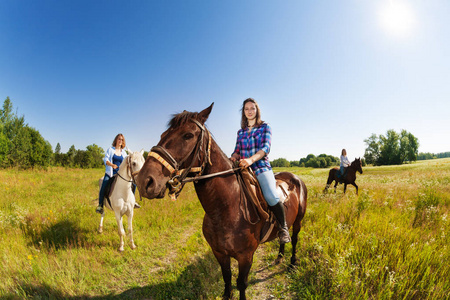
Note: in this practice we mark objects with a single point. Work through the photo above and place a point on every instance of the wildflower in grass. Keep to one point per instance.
(392, 279)
(30, 258)
(318, 247)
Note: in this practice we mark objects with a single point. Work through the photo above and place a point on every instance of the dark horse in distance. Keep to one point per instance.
(187, 147)
(349, 176)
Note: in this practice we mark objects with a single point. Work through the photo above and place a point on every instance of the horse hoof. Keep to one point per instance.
(121, 249)
(100, 229)
(133, 246)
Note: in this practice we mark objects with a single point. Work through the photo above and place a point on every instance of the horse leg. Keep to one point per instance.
(354, 184)
(100, 227)
(345, 187)
(280, 254)
(335, 185)
(121, 230)
(225, 266)
(245, 263)
(130, 228)
(329, 181)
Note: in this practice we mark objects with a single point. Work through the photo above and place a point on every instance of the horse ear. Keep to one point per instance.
(142, 152)
(204, 114)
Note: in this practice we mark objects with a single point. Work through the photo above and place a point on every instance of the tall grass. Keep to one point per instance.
(390, 242)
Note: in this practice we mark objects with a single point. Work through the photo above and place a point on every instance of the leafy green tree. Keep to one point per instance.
(4, 149)
(280, 162)
(392, 149)
(409, 146)
(58, 149)
(294, 163)
(372, 152)
(313, 162)
(81, 159)
(6, 114)
(321, 161)
(71, 156)
(95, 154)
(21, 145)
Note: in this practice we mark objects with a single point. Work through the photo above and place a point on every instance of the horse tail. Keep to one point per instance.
(302, 195)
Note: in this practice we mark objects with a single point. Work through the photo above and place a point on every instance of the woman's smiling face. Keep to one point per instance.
(250, 111)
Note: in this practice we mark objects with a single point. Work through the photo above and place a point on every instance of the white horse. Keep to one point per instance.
(122, 197)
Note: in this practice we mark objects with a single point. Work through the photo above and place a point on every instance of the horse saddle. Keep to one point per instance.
(109, 189)
(252, 191)
(253, 195)
(341, 176)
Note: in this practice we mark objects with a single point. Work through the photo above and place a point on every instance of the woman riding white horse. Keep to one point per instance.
(121, 199)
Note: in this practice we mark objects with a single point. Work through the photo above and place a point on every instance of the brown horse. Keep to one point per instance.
(187, 147)
(350, 176)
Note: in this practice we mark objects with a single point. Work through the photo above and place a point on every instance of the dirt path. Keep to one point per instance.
(266, 278)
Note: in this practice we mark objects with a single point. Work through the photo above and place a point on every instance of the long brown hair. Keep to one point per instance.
(244, 121)
(123, 141)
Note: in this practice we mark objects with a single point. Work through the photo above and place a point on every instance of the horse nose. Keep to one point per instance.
(149, 184)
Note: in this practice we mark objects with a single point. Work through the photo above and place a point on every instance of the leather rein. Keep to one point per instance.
(178, 177)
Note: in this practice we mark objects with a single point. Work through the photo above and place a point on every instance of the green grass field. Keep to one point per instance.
(390, 242)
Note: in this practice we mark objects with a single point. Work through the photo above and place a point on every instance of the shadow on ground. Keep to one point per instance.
(61, 235)
(201, 279)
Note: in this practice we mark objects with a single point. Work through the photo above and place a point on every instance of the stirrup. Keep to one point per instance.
(283, 235)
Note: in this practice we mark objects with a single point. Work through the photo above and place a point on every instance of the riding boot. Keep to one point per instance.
(280, 215)
(101, 195)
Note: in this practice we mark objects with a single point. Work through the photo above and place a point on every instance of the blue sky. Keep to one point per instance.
(326, 74)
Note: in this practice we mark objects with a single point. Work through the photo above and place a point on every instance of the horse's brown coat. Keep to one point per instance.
(350, 176)
(224, 226)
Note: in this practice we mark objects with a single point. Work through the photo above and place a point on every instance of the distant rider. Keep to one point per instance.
(345, 163)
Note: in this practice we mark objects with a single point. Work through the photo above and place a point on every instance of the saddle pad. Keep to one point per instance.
(110, 187)
(253, 192)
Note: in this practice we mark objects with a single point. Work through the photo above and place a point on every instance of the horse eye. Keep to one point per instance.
(188, 136)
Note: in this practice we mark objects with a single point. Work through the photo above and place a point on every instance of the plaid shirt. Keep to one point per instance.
(260, 138)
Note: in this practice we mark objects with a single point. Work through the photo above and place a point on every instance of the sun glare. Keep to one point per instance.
(397, 18)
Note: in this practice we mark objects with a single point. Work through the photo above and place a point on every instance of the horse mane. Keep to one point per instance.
(181, 119)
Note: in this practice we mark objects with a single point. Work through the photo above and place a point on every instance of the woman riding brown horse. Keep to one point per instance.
(187, 148)
(348, 178)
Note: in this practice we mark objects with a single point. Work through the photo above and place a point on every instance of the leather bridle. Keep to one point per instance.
(129, 171)
(178, 177)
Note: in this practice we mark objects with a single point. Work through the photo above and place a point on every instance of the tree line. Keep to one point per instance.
(310, 161)
(23, 147)
(428, 155)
